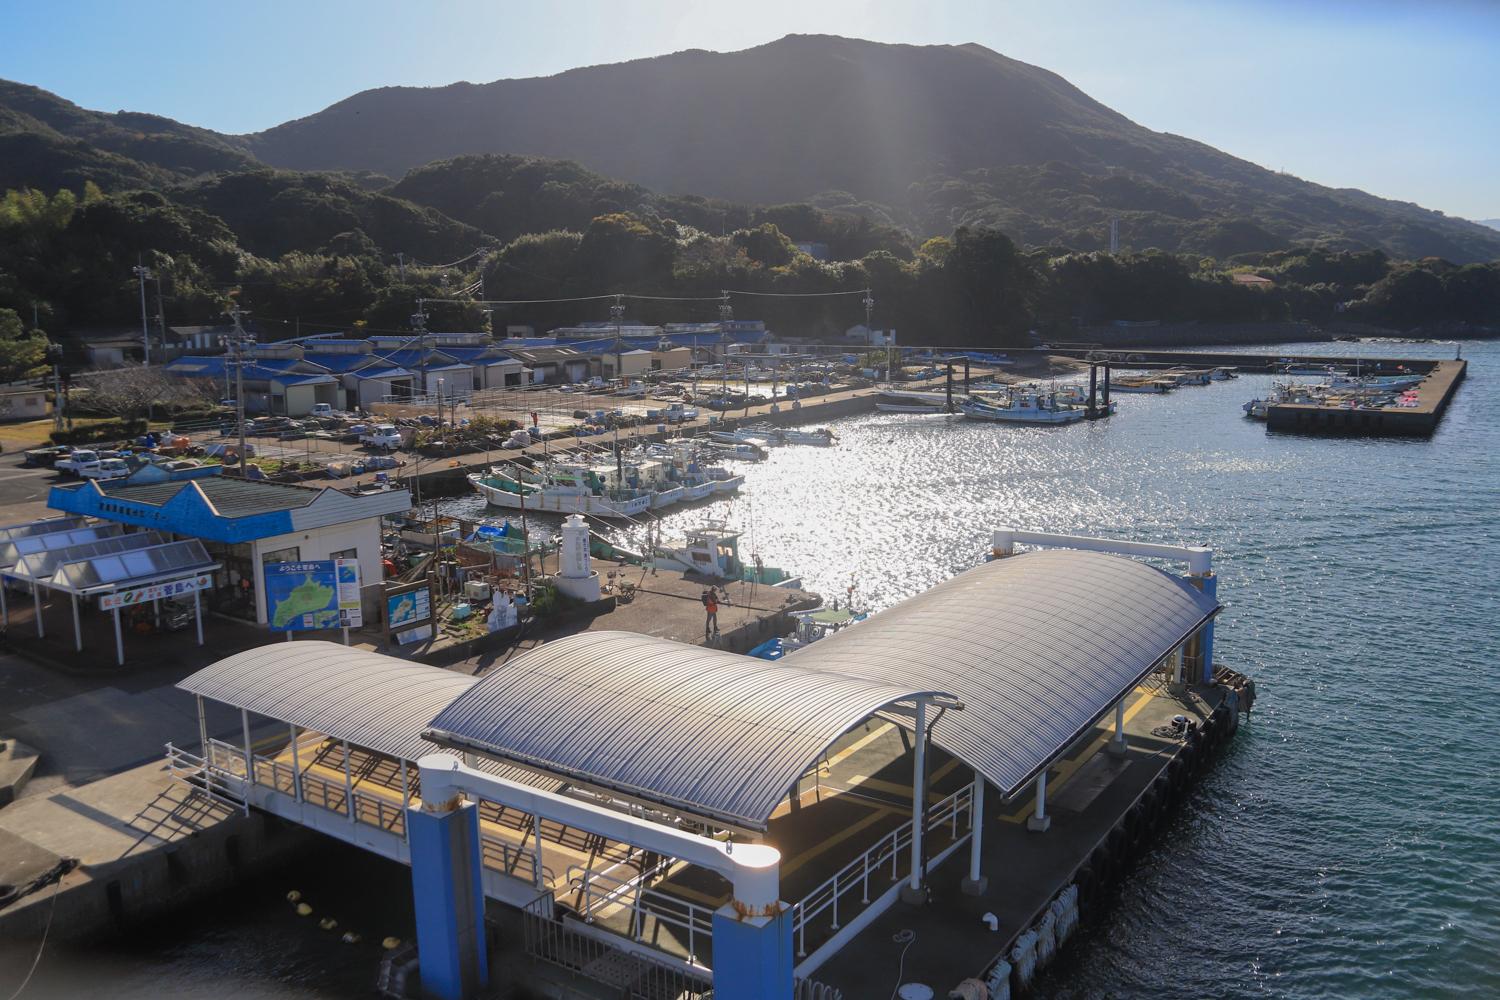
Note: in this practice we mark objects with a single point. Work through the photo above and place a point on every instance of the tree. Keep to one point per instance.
(132, 393)
(23, 353)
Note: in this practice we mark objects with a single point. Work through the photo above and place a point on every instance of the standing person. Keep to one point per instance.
(711, 605)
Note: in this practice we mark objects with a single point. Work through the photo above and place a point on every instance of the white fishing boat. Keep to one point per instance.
(1022, 408)
(713, 551)
(504, 491)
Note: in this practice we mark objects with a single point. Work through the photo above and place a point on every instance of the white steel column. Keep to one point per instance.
(1117, 745)
(536, 824)
(919, 795)
(296, 766)
(198, 613)
(77, 626)
(36, 597)
(202, 730)
(249, 754)
(4, 604)
(1039, 821)
(976, 883)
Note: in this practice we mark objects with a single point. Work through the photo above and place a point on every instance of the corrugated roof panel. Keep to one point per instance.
(711, 733)
(1038, 646)
(373, 701)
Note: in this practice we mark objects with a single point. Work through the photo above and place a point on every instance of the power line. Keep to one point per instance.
(797, 295)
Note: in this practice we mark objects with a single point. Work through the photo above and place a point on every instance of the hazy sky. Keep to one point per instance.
(1398, 98)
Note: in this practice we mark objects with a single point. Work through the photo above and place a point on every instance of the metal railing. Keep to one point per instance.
(498, 854)
(888, 850)
(193, 770)
(650, 910)
(636, 976)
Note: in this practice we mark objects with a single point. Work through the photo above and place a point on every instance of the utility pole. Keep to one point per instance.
(161, 318)
(240, 343)
(419, 324)
(726, 315)
(142, 273)
(54, 355)
(617, 313)
(401, 266)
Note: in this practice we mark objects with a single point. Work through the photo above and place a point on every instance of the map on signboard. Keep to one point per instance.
(410, 608)
(302, 596)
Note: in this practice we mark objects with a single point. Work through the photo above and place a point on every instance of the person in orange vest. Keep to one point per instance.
(711, 623)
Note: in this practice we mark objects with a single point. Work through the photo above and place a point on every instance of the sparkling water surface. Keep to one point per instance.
(1348, 842)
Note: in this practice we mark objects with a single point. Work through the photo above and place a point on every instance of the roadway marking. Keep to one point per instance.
(1067, 768)
(875, 816)
(858, 745)
(904, 791)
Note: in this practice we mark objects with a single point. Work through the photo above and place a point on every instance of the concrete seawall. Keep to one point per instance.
(138, 863)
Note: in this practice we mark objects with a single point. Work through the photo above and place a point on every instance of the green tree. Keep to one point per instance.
(23, 353)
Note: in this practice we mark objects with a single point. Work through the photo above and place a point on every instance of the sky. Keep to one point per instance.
(1394, 97)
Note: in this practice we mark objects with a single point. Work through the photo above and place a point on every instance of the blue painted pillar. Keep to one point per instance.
(448, 897)
(753, 957)
(1209, 584)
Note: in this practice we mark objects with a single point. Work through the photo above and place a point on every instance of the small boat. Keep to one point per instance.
(1146, 385)
(741, 451)
(823, 437)
(1223, 374)
(911, 402)
(1385, 383)
(811, 626)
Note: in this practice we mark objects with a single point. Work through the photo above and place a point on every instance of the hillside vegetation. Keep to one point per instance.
(1018, 197)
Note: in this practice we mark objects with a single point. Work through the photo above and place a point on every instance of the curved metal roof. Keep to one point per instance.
(711, 733)
(374, 701)
(1039, 646)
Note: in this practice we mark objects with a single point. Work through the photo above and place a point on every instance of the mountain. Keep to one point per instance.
(45, 138)
(1492, 223)
(934, 136)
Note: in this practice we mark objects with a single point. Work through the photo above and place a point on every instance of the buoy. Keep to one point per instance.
(350, 938)
(328, 923)
(391, 943)
(303, 910)
(294, 896)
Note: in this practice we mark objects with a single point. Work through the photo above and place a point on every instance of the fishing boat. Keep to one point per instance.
(1022, 408)
(1223, 374)
(504, 491)
(713, 551)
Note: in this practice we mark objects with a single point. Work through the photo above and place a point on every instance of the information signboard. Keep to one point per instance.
(301, 596)
(155, 591)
